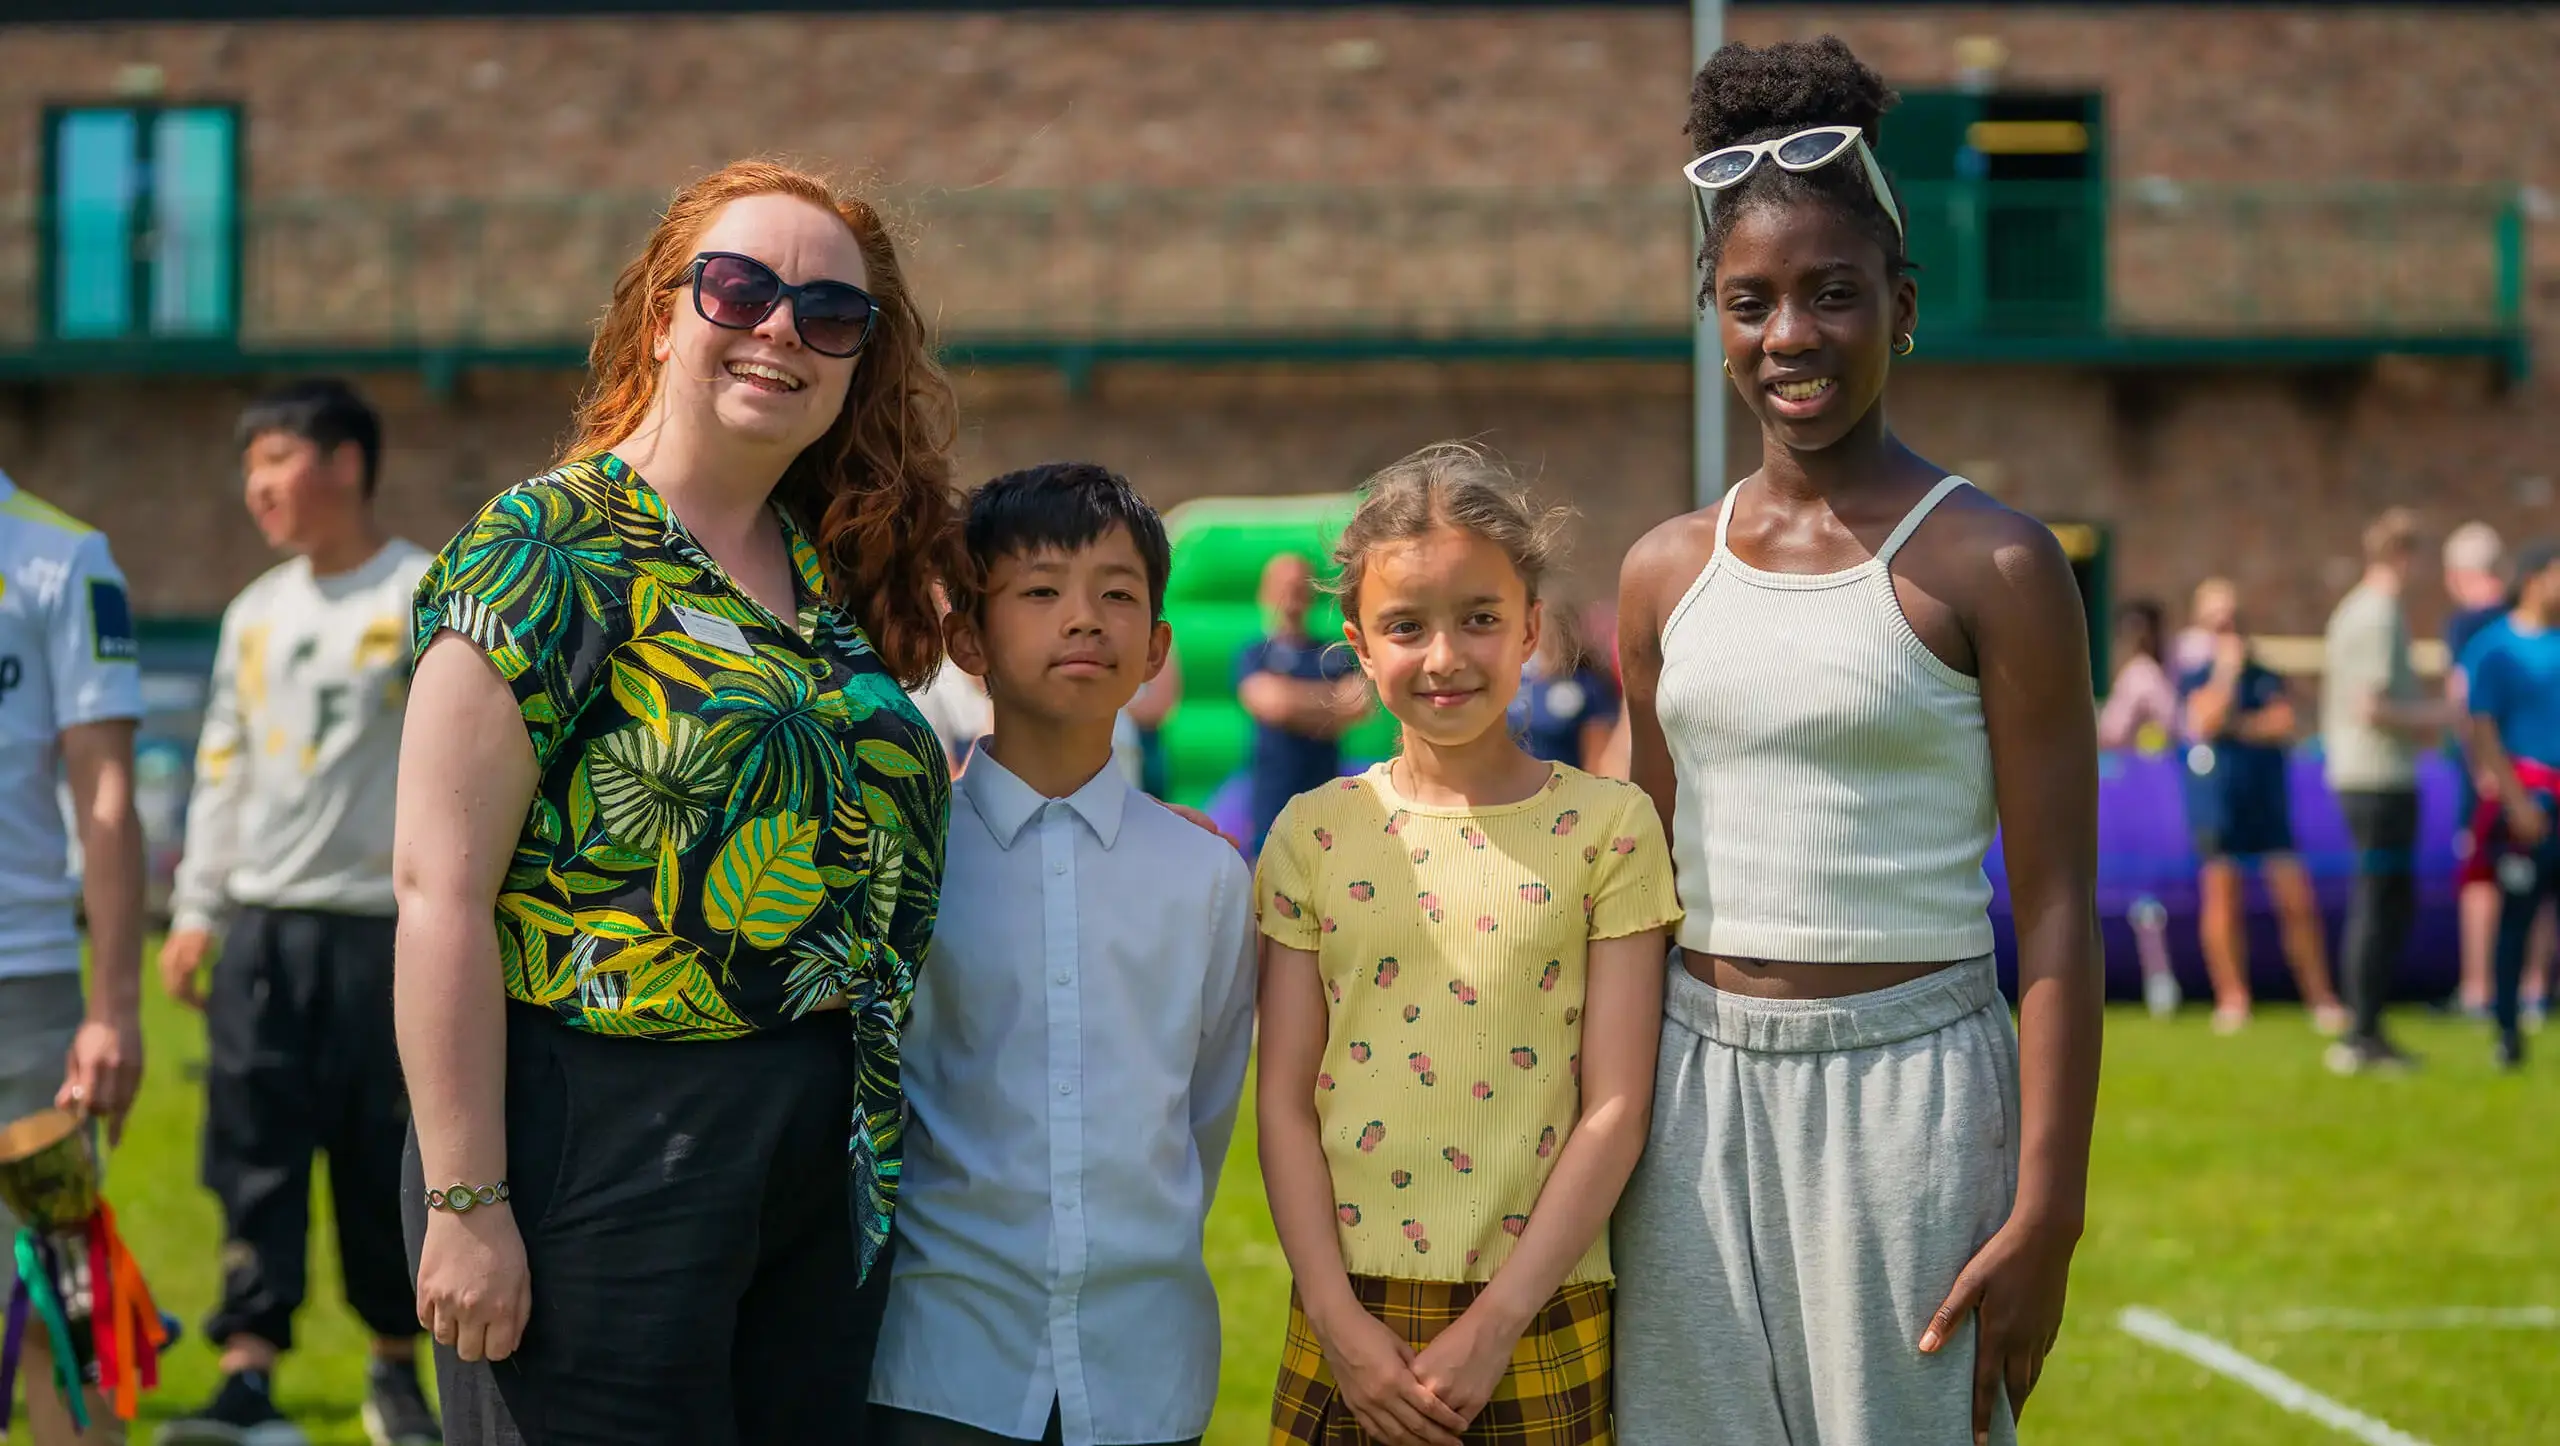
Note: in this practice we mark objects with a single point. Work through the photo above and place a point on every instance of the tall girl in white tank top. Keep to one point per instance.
(1854, 1220)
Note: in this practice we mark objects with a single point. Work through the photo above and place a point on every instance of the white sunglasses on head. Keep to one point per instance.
(1806, 150)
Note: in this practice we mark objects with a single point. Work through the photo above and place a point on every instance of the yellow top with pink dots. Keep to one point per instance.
(1452, 944)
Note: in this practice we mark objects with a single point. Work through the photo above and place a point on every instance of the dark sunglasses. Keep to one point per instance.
(738, 292)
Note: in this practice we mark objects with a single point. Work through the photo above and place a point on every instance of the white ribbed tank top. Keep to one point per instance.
(1835, 780)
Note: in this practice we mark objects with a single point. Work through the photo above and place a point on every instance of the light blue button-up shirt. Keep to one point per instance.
(1072, 1065)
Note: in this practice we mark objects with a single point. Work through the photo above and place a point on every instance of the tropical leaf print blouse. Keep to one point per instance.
(738, 820)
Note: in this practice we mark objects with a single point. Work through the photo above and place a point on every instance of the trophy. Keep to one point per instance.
(75, 1280)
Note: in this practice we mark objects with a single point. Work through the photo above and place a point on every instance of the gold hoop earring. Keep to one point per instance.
(1906, 345)
(1728, 371)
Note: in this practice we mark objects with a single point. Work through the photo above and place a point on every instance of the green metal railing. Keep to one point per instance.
(2007, 268)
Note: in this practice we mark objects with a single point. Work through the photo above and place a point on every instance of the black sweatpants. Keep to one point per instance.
(301, 1060)
(686, 1215)
(2384, 825)
(2525, 883)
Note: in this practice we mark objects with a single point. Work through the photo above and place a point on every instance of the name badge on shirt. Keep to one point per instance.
(711, 628)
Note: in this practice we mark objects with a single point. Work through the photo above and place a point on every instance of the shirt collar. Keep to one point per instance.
(1007, 804)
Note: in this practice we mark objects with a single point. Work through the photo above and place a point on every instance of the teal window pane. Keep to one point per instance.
(96, 181)
(192, 192)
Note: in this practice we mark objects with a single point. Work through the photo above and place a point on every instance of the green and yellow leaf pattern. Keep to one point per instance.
(656, 782)
(764, 882)
(721, 843)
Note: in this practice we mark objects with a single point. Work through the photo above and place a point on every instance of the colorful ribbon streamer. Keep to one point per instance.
(35, 1276)
(125, 1322)
(126, 1330)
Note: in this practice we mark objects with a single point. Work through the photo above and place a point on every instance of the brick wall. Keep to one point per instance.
(2263, 476)
(472, 107)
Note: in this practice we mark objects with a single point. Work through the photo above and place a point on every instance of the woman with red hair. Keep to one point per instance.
(670, 845)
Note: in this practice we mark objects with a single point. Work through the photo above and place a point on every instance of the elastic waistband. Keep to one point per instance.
(316, 911)
(1812, 1026)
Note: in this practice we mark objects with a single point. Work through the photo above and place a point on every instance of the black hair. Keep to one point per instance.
(323, 411)
(2532, 560)
(1758, 93)
(2152, 619)
(1065, 505)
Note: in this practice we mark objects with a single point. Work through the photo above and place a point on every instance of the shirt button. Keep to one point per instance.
(1065, 1088)
(1065, 978)
(1058, 868)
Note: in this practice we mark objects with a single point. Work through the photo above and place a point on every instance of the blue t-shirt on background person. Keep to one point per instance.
(1549, 714)
(2515, 684)
(2466, 626)
(2237, 804)
(2462, 633)
(1287, 764)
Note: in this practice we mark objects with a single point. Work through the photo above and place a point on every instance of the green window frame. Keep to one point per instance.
(140, 222)
(2007, 195)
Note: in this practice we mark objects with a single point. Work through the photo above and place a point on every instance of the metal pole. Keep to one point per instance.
(1707, 385)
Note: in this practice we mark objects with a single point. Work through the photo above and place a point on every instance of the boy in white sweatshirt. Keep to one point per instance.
(288, 857)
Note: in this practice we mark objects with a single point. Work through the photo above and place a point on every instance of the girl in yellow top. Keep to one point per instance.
(1461, 999)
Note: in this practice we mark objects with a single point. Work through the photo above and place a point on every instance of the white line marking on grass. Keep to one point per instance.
(2266, 1380)
(2448, 1318)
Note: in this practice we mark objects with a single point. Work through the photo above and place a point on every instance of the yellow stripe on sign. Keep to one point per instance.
(2307, 656)
(2079, 540)
(2028, 137)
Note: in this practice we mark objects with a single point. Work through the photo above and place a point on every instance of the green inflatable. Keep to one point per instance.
(1220, 546)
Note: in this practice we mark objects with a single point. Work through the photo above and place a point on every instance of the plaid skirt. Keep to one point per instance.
(1555, 1394)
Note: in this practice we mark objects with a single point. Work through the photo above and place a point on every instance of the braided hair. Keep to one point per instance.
(1746, 93)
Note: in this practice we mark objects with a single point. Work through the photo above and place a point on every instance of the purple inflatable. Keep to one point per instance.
(2145, 857)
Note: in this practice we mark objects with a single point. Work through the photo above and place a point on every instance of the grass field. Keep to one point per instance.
(2306, 1221)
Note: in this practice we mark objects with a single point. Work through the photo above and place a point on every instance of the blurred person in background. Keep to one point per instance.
(2374, 720)
(2142, 703)
(1600, 638)
(2475, 584)
(2242, 721)
(2478, 846)
(288, 860)
(1146, 714)
(1302, 693)
(70, 702)
(1567, 708)
(2190, 648)
(2513, 697)
(955, 706)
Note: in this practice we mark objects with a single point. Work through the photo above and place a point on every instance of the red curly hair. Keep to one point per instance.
(874, 494)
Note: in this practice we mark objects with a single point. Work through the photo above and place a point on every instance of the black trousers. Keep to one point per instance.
(2384, 825)
(302, 1059)
(914, 1428)
(686, 1215)
(2525, 881)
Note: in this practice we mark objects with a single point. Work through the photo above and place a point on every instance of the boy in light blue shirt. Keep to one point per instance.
(1080, 1028)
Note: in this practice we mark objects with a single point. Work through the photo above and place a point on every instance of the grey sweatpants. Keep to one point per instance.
(1818, 1173)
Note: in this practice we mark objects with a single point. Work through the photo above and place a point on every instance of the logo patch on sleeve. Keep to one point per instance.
(111, 637)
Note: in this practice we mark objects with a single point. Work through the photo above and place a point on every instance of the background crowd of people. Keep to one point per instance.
(2206, 696)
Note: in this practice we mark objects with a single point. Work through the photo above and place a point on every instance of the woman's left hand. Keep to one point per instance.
(1465, 1362)
(2015, 1284)
(1198, 819)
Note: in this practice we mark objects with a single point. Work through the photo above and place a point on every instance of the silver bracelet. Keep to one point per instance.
(462, 1199)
